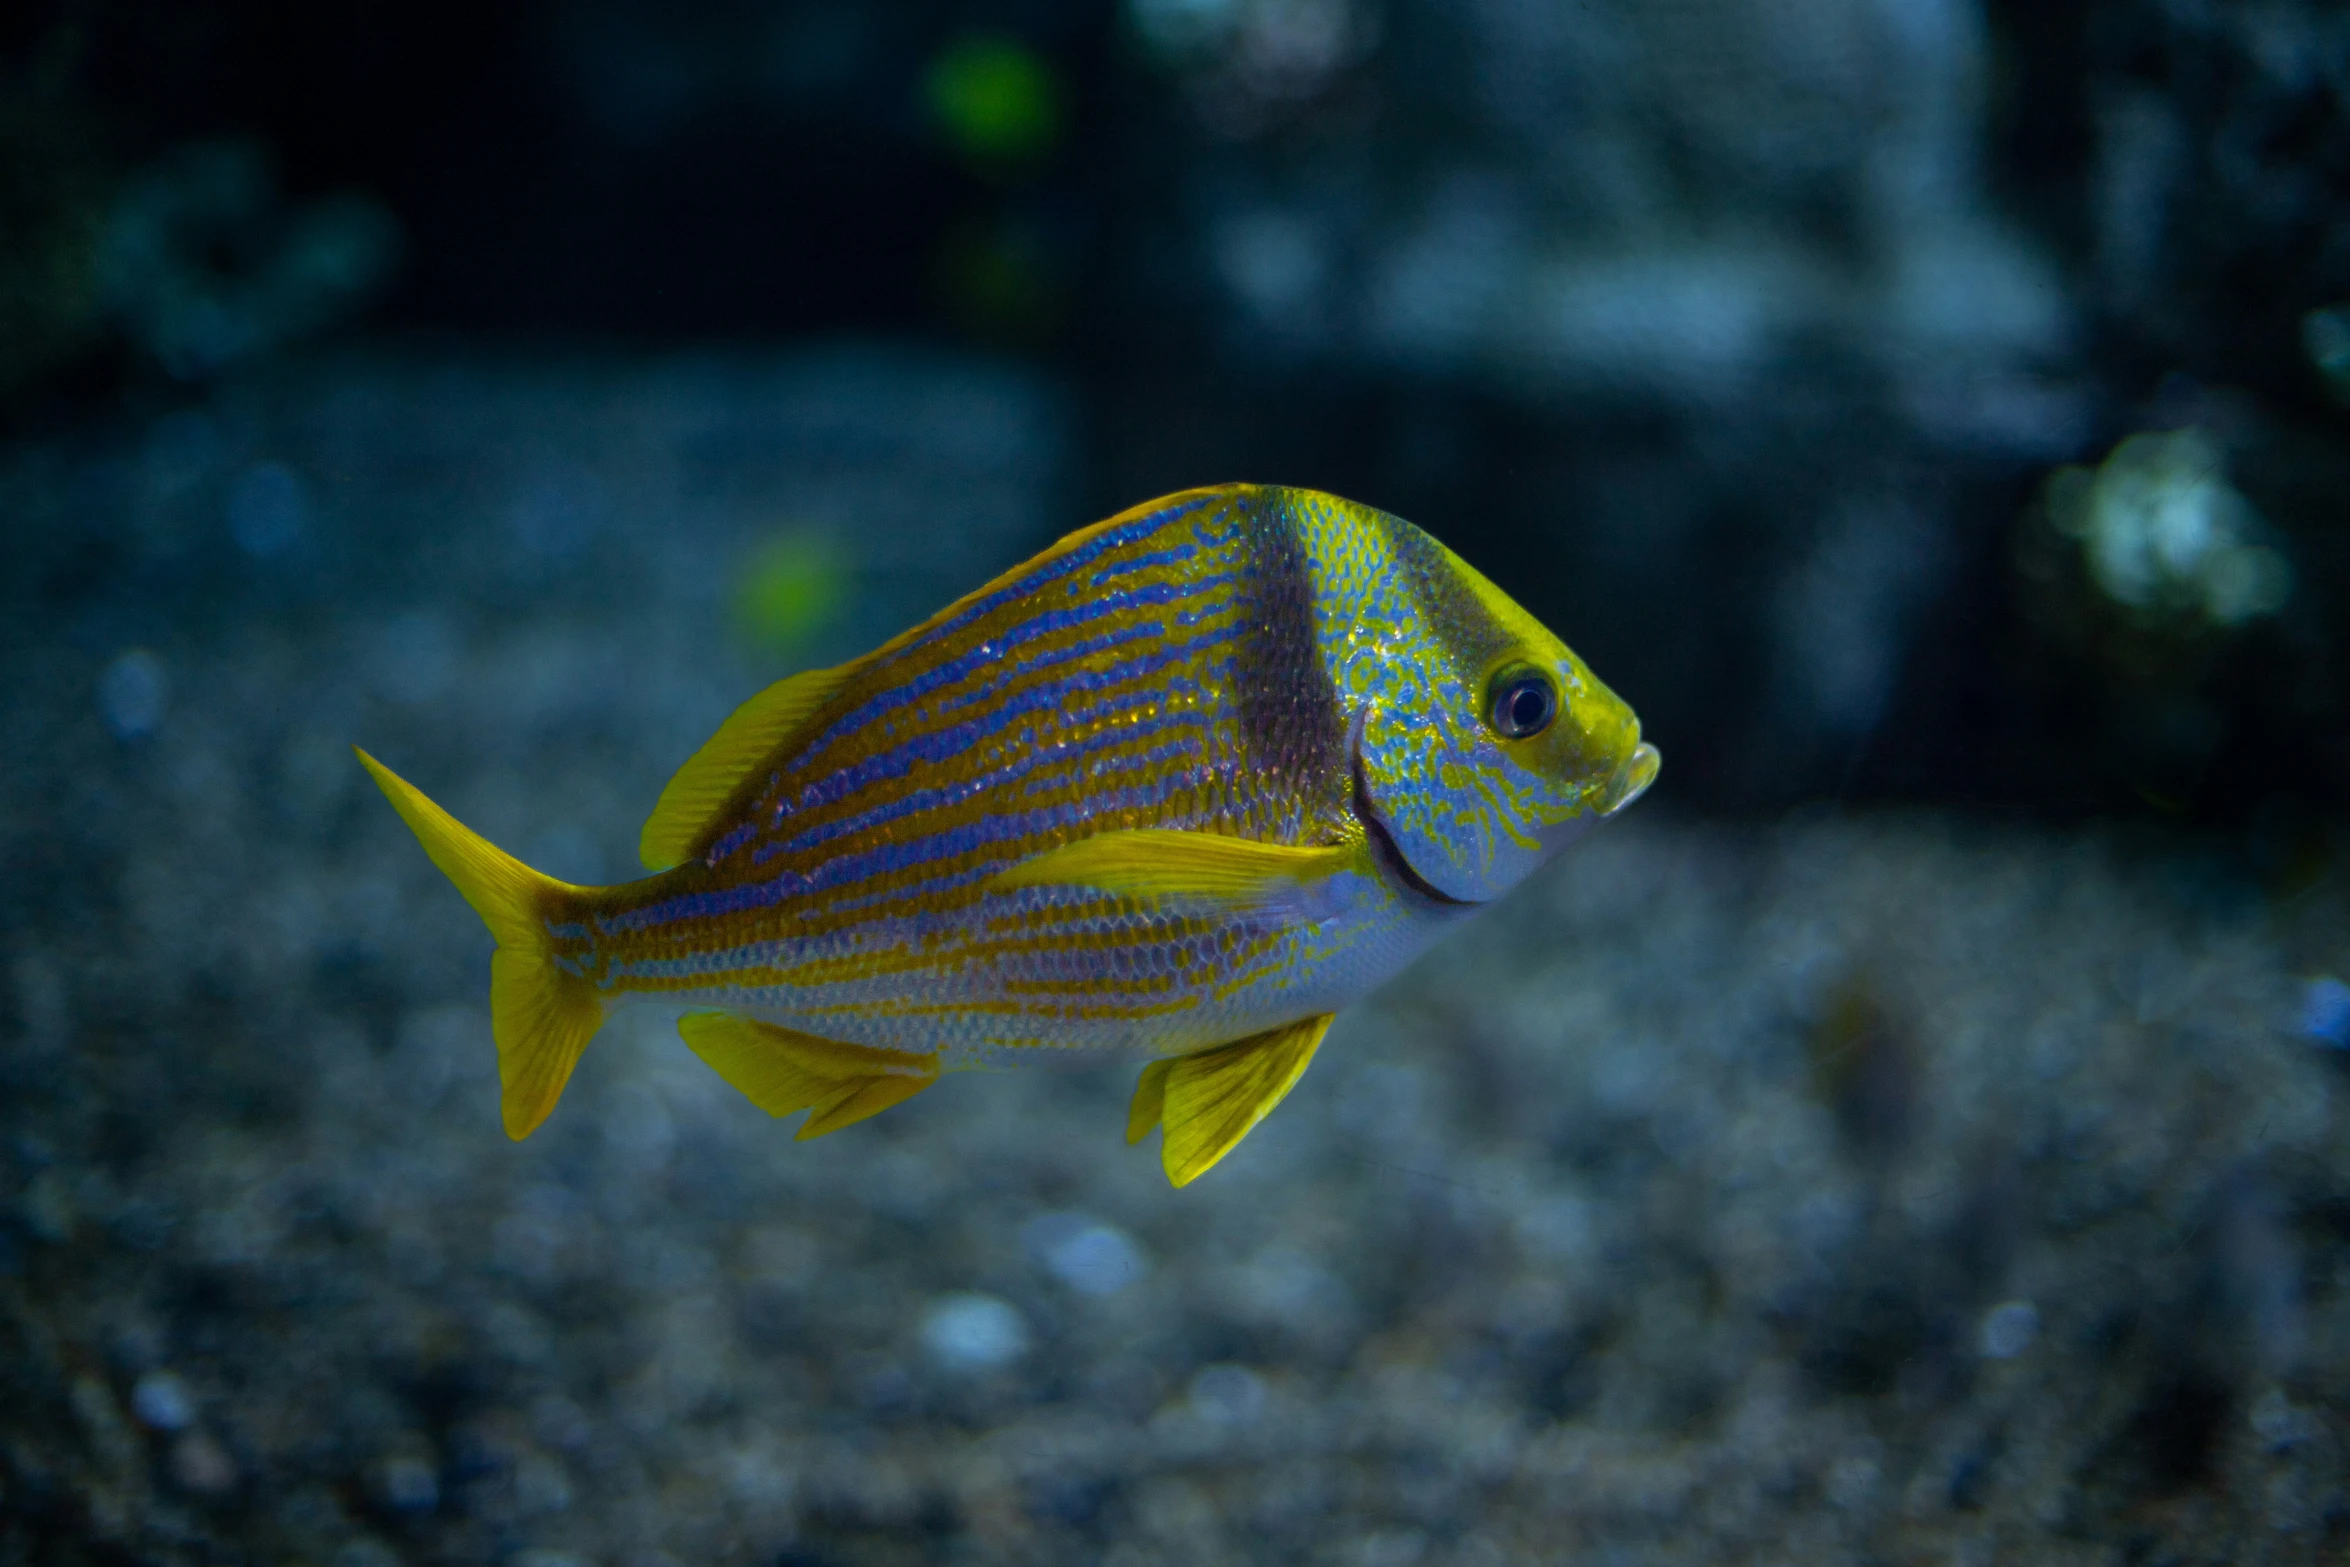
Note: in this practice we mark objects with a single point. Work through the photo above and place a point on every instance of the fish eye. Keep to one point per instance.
(1523, 703)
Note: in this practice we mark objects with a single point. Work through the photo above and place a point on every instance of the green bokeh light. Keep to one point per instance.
(996, 100)
(791, 588)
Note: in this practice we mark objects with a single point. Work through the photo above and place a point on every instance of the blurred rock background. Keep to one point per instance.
(1741, 338)
(1914, 1138)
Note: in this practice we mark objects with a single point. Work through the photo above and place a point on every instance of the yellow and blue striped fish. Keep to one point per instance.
(1184, 784)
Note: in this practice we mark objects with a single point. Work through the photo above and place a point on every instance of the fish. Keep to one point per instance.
(1182, 785)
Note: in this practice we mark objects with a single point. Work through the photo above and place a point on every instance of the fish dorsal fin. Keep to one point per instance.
(1153, 862)
(706, 784)
(708, 780)
(782, 1070)
(1210, 1101)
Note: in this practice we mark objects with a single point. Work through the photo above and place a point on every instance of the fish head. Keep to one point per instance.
(1484, 745)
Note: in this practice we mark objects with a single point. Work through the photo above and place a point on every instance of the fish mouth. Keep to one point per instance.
(1631, 780)
(1383, 844)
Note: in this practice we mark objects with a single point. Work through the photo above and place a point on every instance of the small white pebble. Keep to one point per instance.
(2008, 1329)
(1091, 1257)
(1229, 1395)
(133, 691)
(162, 1402)
(1852, 1482)
(971, 1332)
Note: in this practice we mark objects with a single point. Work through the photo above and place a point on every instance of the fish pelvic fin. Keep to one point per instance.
(1212, 1100)
(702, 789)
(1153, 862)
(542, 1014)
(783, 1071)
(1150, 1102)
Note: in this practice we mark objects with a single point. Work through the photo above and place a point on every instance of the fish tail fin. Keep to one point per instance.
(542, 1014)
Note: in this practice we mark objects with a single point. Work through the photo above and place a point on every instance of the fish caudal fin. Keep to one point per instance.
(1210, 1101)
(543, 1015)
(783, 1071)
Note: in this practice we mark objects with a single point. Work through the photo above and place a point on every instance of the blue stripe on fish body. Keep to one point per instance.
(1174, 698)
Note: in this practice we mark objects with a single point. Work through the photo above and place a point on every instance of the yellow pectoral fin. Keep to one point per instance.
(704, 785)
(1211, 1100)
(1152, 862)
(783, 1071)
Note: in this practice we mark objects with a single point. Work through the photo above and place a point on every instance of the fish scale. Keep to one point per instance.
(1185, 783)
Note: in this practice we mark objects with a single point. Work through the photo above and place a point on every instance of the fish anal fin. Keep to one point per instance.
(689, 806)
(1154, 862)
(1150, 1102)
(1214, 1098)
(784, 1071)
(869, 1096)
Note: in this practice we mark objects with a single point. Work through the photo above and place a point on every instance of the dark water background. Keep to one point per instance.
(1915, 1134)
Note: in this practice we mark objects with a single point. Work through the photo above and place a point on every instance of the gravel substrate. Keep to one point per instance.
(1877, 1189)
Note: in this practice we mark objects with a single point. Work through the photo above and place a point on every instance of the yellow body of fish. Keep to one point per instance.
(1183, 784)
